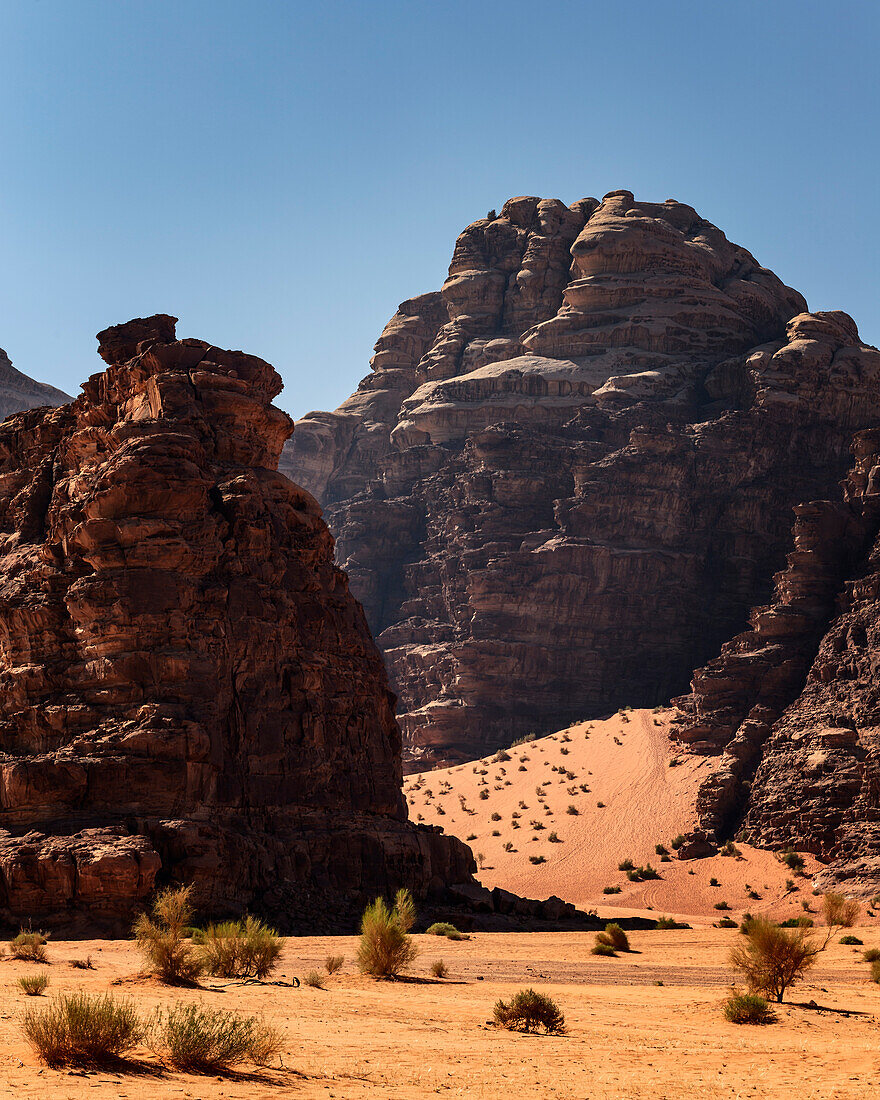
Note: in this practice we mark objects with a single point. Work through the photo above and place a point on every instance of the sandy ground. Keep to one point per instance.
(629, 1036)
(632, 789)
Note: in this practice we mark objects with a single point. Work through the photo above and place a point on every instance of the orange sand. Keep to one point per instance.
(629, 1038)
(624, 762)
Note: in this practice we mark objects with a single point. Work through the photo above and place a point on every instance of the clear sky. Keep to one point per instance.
(279, 175)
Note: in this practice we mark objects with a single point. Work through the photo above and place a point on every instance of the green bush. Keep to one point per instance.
(677, 842)
(204, 1040)
(617, 937)
(79, 1029)
(726, 922)
(240, 949)
(162, 939)
(529, 1011)
(385, 948)
(871, 955)
(626, 865)
(29, 947)
(610, 889)
(443, 928)
(722, 905)
(791, 859)
(33, 984)
(604, 946)
(748, 1008)
(664, 923)
(851, 941)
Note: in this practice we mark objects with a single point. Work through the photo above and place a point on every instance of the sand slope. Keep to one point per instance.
(632, 789)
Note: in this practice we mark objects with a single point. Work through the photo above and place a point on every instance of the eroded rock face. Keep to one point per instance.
(188, 690)
(570, 475)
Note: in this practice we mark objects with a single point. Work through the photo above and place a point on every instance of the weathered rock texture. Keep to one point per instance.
(188, 691)
(18, 392)
(570, 475)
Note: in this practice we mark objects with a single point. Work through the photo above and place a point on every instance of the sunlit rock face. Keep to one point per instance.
(188, 690)
(571, 472)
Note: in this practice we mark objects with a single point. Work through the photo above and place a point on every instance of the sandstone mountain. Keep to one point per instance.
(189, 690)
(570, 474)
(18, 392)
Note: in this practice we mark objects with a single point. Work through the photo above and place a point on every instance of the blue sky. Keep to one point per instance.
(280, 175)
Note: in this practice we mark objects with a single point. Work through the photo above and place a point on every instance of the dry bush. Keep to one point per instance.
(83, 1030)
(333, 963)
(385, 948)
(443, 928)
(616, 937)
(204, 1040)
(438, 968)
(314, 979)
(33, 984)
(840, 912)
(240, 949)
(29, 947)
(875, 971)
(773, 958)
(747, 1008)
(83, 964)
(871, 955)
(162, 937)
(529, 1011)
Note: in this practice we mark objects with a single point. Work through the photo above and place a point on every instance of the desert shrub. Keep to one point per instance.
(773, 958)
(677, 842)
(33, 984)
(484, 793)
(438, 968)
(722, 905)
(648, 871)
(851, 941)
(747, 1008)
(79, 1029)
(443, 928)
(240, 949)
(875, 971)
(604, 949)
(726, 922)
(714, 882)
(29, 947)
(333, 963)
(502, 757)
(554, 838)
(664, 923)
(796, 922)
(728, 848)
(496, 816)
(626, 865)
(385, 948)
(791, 859)
(162, 940)
(83, 964)
(529, 1011)
(314, 979)
(508, 846)
(871, 955)
(610, 889)
(537, 859)
(840, 912)
(573, 810)
(660, 849)
(617, 937)
(199, 1039)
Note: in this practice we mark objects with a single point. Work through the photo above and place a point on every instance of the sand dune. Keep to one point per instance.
(588, 798)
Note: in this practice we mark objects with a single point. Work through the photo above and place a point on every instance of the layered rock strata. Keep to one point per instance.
(18, 392)
(188, 690)
(570, 475)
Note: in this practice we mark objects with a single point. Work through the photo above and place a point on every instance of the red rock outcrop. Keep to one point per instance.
(570, 475)
(188, 691)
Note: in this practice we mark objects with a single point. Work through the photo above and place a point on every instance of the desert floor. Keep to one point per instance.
(629, 1035)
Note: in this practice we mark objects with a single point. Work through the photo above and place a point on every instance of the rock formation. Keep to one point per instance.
(189, 690)
(570, 474)
(18, 392)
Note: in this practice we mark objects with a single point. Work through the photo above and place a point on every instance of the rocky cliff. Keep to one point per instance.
(188, 690)
(18, 392)
(570, 475)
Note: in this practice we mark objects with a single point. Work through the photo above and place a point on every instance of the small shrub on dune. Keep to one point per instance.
(610, 889)
(725, 922)
(871, 955)
(851, 941)
(29, 947)
(240, 949)
(616, 937)
(528, 1010)
(385, 948)
(747, 1008)
(603, 946)
(162, 939)
(83, 1030)
(664, 923)
(333, 963)
(83, 964)
(314, 980)
(438, 968)
(443, 928)
(33, 984)
(204, 1040)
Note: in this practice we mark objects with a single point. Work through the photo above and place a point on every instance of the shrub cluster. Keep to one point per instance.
(530, 1011)
(240, 949)
(747, 1008)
